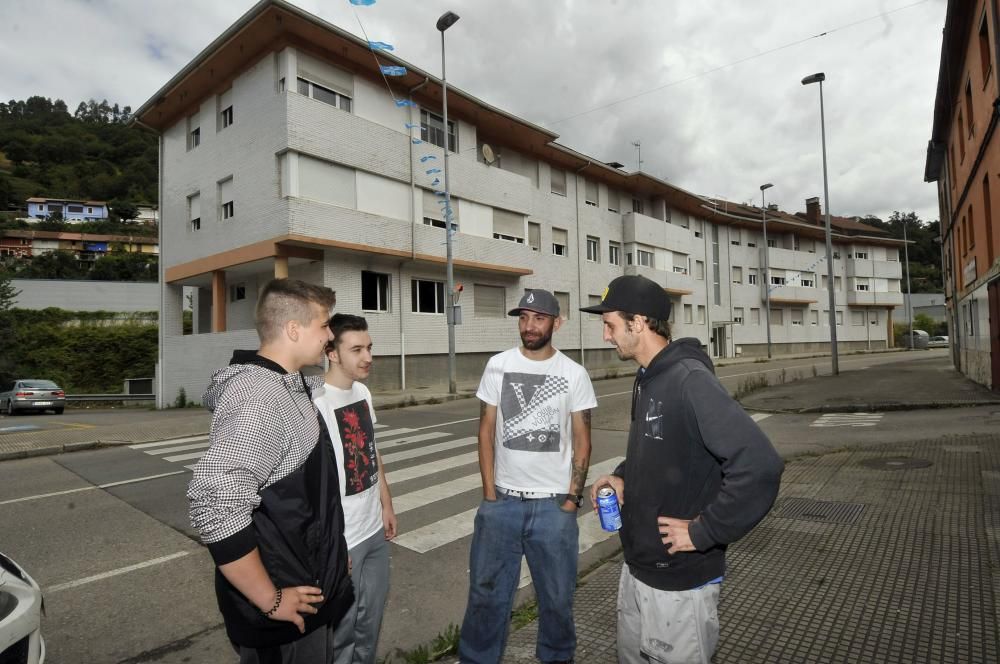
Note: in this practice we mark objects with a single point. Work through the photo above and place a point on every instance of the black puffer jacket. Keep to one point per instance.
(693, 453)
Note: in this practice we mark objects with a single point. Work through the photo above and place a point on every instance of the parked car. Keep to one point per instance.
(937, 342)
(20, 615)
(31, 394)
(919, 339)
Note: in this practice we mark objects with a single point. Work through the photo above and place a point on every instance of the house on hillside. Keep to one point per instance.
(71, 210)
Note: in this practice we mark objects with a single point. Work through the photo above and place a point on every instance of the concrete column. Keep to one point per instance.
(890, 337)
(203, 311)
(281, 267)
(219, 301)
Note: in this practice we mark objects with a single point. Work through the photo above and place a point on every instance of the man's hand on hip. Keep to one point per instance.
(675, 535)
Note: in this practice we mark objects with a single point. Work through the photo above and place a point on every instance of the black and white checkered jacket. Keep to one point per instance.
(264, 425)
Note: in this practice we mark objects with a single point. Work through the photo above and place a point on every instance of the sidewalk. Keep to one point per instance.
(875, 554)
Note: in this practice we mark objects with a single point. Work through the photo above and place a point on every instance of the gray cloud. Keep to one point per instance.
(722, 133)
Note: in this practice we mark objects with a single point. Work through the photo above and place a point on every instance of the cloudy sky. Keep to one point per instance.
(710, 89)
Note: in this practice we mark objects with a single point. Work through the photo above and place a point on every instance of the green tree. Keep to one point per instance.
(8, 294)
(124, 211)
(52, 265)
(125, 266)
(7, 351)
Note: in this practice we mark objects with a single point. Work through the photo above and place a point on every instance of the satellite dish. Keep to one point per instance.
(488, 155)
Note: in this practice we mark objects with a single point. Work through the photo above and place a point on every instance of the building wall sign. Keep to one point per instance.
(969, 272)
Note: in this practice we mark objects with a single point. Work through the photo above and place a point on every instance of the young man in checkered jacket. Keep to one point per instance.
(265, 496)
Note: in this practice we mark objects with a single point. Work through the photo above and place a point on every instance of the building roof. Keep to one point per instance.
(35, 199)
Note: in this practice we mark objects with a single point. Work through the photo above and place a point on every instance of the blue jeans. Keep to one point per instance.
(547, 536)
(356, 637)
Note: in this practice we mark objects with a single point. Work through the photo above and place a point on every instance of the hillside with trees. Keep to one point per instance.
(924, 253)
(91, 153)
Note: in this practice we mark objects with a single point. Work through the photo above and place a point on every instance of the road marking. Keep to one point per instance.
(757, 417)
(432, 467)
(431, 435)
(847, 420)
(445, 531)
(181, 448)
(20, 427)
(185, 457)
(393, 432)
(162, 443)
(90, 488)
(428, 449)
(432, 494)
(115, 572)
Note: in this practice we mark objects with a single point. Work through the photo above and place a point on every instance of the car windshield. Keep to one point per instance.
(39, 385)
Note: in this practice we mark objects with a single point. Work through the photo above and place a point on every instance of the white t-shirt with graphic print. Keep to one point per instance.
(350, 417)
(535, 401)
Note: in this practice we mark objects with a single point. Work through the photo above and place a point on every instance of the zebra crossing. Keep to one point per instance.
(847, 420)
(425, 539)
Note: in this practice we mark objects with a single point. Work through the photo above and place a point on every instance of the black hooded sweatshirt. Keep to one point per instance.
(693, 453)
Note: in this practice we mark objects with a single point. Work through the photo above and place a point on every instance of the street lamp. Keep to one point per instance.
(819, 78)
(909, 295)
(447, 20)
(767, 266)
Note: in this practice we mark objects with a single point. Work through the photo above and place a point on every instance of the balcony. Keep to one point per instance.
(674, 283)
(655, 233)
(874, 299)
(797, 261)
(878, 269)
(795, 295)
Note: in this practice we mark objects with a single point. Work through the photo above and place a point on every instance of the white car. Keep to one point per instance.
(20, 616)
(937, 342)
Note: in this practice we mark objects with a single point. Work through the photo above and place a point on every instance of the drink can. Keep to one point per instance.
(607, 509)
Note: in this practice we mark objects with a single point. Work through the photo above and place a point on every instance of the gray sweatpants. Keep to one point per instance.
(668, 627)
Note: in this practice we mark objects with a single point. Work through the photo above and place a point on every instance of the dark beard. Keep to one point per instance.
(537, 344)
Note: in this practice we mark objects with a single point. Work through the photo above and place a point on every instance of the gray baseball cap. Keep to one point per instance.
(537, 300)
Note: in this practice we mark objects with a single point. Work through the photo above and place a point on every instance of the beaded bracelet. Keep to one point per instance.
(277, 603)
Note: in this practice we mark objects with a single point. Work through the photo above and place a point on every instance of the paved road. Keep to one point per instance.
(106, 532)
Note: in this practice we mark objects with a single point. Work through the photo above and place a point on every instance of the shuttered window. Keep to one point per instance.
(490, 301)
(508, 226)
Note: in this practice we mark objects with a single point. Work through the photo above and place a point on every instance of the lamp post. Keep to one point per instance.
(447, 20)
(819, 78)
(767, 266)
(909, 295)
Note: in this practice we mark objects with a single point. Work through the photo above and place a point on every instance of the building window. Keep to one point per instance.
(796, 317)
(961, 137)
(840, 318)
(614, 253)
(194, 212)
(508, 226)
(701, 314)
(836, 255)
(439, 223)
(227, 116)
(614, 198)
(226, 208)
(984, 48)
(534, 236)
(77, 209)
(777, 280)
(374, 291)
(508, 238)
(873, 316)
(699, 270)
(777, 317)
(593, 301)
(892, 254)
(681, 262)
(861, 284)
(814, 317)
(644, 258)
(637, 206)
(558, 182)
(808, 280)
(738, 315)
(238, 292)
(193, 132)
(559, 242)
(737, 274)
(752, 276)
(563, 299)
(754, 316)
(432, 130)
(325, 95)
(593, 249)
(426, 297)
(968, 107)
(838, 283)
(861, 255)
(734, 237)
(489, 301)
(688, 313)
(772, 243)
(591, 193)
(857, 318)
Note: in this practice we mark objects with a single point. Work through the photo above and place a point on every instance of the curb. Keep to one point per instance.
(49, 450)
(872, 407)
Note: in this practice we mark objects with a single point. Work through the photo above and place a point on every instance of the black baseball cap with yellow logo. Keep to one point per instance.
(634, 294)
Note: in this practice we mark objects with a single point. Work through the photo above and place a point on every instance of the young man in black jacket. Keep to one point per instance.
(698, 475)
(265, 497)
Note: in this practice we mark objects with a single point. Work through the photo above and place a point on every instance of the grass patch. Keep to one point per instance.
(751, 384)
(444, 644)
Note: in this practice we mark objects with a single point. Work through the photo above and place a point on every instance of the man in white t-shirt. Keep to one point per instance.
(534, 452)
(369, 520)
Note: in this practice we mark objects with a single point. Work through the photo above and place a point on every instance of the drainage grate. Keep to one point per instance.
(806, 509)
(896, 463)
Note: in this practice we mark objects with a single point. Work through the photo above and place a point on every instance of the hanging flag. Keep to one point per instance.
(432, 171)
(393, 70)
(380, 46)
(427, 157)
(404, 102)
(417, 141)
(362, 3)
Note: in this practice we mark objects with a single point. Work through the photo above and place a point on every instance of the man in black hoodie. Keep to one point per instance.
(698, 475)
(265, 497)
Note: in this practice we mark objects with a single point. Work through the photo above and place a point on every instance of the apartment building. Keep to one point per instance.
(69, 210)
(963, 159)
(284, 153)
(87, 247)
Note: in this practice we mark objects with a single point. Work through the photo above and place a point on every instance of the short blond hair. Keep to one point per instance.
(283, 300)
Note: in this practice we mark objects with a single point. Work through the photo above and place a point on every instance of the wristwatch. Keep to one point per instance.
(577, 498)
